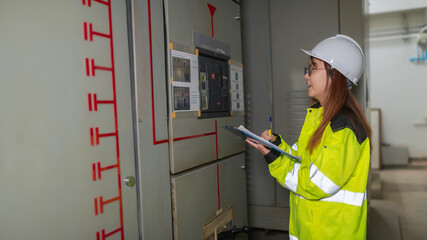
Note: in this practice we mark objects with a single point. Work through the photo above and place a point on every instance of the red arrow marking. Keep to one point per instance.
(212, 12)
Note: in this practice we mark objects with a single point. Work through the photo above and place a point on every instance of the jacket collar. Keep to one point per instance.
(316, 105)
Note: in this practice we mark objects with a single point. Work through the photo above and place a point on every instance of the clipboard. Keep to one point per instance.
(243, 133)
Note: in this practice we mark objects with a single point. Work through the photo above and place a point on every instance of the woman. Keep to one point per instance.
(328, 187)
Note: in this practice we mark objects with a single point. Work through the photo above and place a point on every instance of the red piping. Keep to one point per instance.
(153, 118)
(194, 136)
(113, 71)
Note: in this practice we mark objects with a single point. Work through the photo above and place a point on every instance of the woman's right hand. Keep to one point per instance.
(270, 138)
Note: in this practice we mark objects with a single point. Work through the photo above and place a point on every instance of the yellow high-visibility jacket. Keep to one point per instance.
(328, 187)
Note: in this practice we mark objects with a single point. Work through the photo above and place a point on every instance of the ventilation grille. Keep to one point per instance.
(297, 104)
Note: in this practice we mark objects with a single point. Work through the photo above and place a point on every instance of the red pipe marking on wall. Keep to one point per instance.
(89, 100)
(96, 206)
(87, 67)
(84, 30)
(90, 32)
(96, 102)
(153, 118)
(105, 135)
(93, 67)
(93, 172)
(212, 12)
(103, 235)
(99, 170)
(103, 2)
(100, 135)
(90, 71)
(95, 99)
(96, 168)
(91, 137)
(98, 34)
(97, 136)
(105, 102)
(111, 200)
(119, 181)
(99, 1)
(102, 203)
(193, 136)
(109, 167)
(113, 232)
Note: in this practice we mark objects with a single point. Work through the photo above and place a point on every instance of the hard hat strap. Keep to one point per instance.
(349, 84)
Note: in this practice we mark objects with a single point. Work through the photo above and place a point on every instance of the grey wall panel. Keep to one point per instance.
(229, 144)
(189, 126)
(258, 104)
(195, 197)
(232, 180)
(291, 31)
(154, 178)
(190, 153)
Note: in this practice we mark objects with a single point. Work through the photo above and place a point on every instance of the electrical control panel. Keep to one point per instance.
(214, 77)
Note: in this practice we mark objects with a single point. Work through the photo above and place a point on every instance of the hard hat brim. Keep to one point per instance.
(310, 53)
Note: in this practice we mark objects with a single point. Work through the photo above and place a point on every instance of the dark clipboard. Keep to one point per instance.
(243, 133)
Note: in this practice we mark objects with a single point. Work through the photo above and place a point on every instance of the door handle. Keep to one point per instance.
(130, 181)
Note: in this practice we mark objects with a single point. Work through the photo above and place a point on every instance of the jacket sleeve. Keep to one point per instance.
(273, 155)
(322, 175)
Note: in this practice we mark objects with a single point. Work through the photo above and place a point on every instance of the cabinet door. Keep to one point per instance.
(66, 113)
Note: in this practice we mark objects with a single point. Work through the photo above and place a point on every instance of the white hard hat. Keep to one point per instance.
(343, 54)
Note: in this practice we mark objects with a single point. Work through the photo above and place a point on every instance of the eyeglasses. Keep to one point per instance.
(309, 69)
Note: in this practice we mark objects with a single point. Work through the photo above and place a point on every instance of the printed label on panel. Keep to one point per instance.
(237, 97)
(185, 87)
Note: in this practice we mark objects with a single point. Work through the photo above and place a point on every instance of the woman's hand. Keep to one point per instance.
(270, 138)
(258, 146)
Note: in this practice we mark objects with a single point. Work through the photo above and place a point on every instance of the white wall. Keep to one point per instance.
(399, 87)
(382, 6)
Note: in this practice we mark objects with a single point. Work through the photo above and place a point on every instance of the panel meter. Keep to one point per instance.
(214, 84)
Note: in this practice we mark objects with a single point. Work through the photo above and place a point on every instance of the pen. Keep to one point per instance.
(271, 126)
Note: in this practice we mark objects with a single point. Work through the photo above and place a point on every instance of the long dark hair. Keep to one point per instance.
(339, 100)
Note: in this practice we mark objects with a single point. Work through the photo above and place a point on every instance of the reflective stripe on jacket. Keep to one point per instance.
(328, 187)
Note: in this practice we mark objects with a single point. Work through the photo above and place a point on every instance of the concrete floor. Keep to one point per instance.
(399, 214)
(407, 188)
